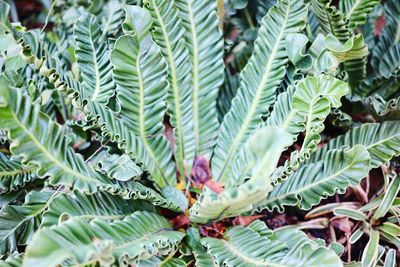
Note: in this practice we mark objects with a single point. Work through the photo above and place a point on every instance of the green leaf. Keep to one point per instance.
(350, 213)
(311, 104)
(370, 252)
(390, 35)
(356, 236)
(242, 246)
(332, 21)
(388, 198)
(121, 168)
(92, 55)
(259, 82)
(14, 260)
(140, 74)
(353, 48)
(314, 182)
(18, 223)
(88, 207)
(295, 46)
(169, 34)
(390, 228)
(260, 156)
(205, 44)
(390, 259)
(13, 175)
(357, 11)
(139, 236)
(379, 139)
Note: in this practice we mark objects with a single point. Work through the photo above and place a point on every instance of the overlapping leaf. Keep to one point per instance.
(258, 161)
(316, 181)
(140, 73)
(169, 34)
(259, 82)
(139, 236)
(93, 60)
(243, 246)
(204, 42)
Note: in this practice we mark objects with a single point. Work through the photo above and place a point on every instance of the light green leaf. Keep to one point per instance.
(357, 10)
(259, 81)
(260, 156)
(121, 168)
(139, 236)
(314, 182)
(242, 246)
(370, 253)
(381, 141)
(92, 56)
(18, 223)
(13, 175)
(351, 213)
(88, 207)
(388, 198)
(205, 44)
(140, 73)
(169, 34)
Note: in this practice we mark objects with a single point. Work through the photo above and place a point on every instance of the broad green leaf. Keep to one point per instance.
(19, 222)
(14, 175)
(139, 236)
(332, 21)
(260, 157)
(205, 44)
(314, 182)
(379, 139)
(370, 252)
(121, 168)
(88, 207)
(242, 246)
(140, 74)
(169, 34)
(313, 99)
(259, 82)
(388, 198)
(295, 46)
(356, 11)
(92, 55)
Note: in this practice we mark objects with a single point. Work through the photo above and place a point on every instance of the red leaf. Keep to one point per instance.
(180, 221)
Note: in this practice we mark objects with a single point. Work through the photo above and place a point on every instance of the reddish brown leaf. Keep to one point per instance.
(180, 221)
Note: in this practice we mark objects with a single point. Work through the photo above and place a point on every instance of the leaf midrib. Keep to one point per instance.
(96, 66)
(305, 188)
(142, 127)
(53, 159)
(175, 87)
(256, 99)
(262, 262)
(195, 79)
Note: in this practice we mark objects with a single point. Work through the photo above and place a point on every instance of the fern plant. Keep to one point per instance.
(142, 94)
